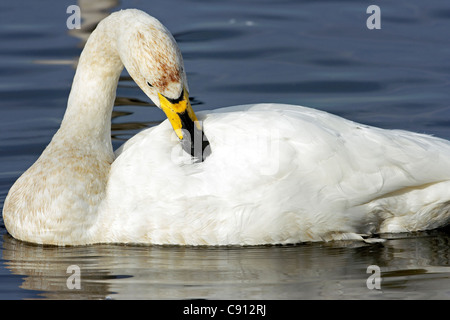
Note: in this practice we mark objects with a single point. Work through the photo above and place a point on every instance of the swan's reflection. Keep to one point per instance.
(326, 270)
(92, 13)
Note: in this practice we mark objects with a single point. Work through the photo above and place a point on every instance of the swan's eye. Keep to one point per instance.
(149, 84)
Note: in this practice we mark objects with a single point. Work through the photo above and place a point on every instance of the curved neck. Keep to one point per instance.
(87, 120)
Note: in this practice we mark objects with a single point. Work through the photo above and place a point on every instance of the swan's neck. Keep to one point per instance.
(56, 200)
(87, 120)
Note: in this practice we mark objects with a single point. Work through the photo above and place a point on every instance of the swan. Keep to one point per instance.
(265, 173)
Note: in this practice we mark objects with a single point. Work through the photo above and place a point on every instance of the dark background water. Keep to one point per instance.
(313, 53)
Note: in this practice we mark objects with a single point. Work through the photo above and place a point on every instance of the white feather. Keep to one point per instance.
(276, 173)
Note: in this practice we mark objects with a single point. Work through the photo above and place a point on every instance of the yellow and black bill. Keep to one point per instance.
(186, 125)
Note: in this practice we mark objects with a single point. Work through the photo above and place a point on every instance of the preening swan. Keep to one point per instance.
(275, 173)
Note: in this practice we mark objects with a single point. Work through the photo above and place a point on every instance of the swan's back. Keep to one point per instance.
(276, 174)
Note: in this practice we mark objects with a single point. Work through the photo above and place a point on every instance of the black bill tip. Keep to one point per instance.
(194, 141)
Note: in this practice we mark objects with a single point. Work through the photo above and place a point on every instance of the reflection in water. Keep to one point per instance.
(92, 12)
(317, 270)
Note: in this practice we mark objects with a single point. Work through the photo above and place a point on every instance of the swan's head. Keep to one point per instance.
(154, 61)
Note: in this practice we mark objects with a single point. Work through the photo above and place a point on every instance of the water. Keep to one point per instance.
(313, 53)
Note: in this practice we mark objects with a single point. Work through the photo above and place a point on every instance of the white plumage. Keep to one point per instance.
(276, 174)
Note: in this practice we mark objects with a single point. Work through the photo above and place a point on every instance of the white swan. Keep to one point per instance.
(276, 173)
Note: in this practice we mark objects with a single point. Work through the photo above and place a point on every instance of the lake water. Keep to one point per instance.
(314, 53)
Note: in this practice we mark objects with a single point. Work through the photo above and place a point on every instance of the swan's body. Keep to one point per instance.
(276, 174)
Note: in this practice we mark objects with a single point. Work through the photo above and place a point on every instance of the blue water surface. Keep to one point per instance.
(313, 53)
